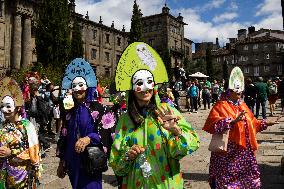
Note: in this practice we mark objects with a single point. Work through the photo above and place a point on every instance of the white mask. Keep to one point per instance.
(8, 105)
(79, 84)
(142, 81)
(237, 87)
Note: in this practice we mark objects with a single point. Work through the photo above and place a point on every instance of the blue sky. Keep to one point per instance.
(207, 19)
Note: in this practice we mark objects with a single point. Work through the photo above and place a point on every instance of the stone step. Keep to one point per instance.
(270, 159)
(273, 152)
(280, 147)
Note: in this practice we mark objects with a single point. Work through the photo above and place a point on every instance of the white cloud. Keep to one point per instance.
(214, 4)
(225, 16)
(198, 30)
(119, 11)
(233, 6)
(269, 7)
(271, 12)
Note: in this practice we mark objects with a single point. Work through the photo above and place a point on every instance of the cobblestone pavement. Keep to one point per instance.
(195, 166)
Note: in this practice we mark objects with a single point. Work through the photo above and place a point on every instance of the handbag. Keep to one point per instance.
(219, 142)
(94, 160)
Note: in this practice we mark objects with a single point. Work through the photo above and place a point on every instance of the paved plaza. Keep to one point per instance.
(195, 166)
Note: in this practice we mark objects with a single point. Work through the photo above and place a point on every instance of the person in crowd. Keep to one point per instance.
(101, 91)
(194, 93)
(44, 81)
(38, 110)
(49, 98)
(19, 149)
(188, 99)
(199, 89)
(176, 88)
(281, 94)
(272, 96)
(215, 91)
(151, 137)
(206, 97)
(235, 166)
(262, 93)
(250, 94)
(87, 124)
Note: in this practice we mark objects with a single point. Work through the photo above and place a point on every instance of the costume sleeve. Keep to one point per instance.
(216, 122)
(186, 143)
(62, 141)
(95, 138)
(119, 148)
(260, 125)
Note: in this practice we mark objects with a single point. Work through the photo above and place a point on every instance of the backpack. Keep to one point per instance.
(272, 89)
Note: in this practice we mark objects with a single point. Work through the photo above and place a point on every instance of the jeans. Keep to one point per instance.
(194, 103)
(206, 100)
(263, 107)
(250, 103)
(177, 103)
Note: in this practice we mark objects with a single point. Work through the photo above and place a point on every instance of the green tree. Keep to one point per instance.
(166, 57)
(136, 25)
(209, 62)
(76, 42)
(53, 34)
(225, 70)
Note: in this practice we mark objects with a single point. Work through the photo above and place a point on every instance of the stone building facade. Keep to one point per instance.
(258, 53)
(103, 45)
(16, 34)
(164, 31)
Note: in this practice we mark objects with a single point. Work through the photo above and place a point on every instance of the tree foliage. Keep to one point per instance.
(52, 33)
(135, 34)
(166, 57)
(76, 41)
(209, 62)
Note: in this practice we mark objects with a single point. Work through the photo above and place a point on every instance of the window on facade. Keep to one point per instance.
(255, 46)
(246, 69)
(94, 53)
(246, 47)
(265, 45)
(256, 57)
(186, 50)
(107, 57)
(117, 58)
(107, 72)
(118, 41)
(94, 34)
(176, 44)
(107, 38)
(279, 69)
(266, 68)
(267, 56)
(151, 42)
(1, 8)
(256, 71)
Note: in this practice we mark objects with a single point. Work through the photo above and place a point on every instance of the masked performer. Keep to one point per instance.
(86, 124)
(151, 137)
(19, 149)
(234, 166)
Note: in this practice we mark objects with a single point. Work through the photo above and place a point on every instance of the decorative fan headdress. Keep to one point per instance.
(9, 87)
(236, 81)
(139, 56)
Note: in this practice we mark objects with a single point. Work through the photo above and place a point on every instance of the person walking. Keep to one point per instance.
(262, 93)
(250, 94)
(176, 88)
(194, 93)
(234, 165)
(86, 126)
(151, 137)
(19, 145)
(272, 96)
(215, 91)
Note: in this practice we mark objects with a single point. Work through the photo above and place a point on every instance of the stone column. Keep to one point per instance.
(16, 45)
(26, 45)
